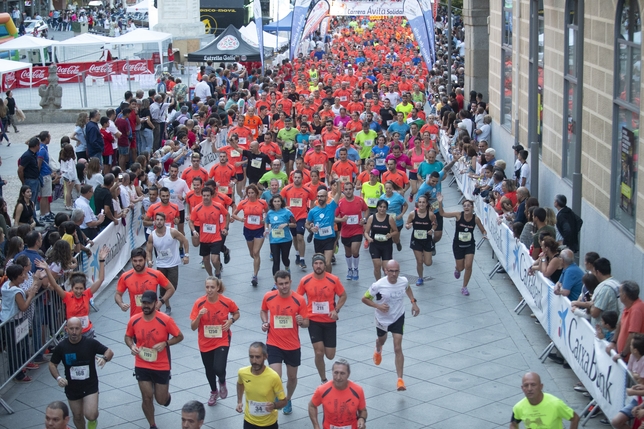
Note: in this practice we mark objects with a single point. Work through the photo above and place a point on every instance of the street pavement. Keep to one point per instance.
(464, 356)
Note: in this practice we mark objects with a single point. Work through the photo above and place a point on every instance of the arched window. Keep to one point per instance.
(506, 65)
(626, 113)
(573, 57)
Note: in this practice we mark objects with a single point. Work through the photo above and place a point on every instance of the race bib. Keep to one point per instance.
(256, 163)
(434, 206)
(464, 236)
(84, 321)
(212, 331)
(368, 142)
(380, 161)
(278, 233)
(223, 189)
(301, 146)
(319, 167)
(163, 253)
(420, 234)
(79, 372)
(253, 131)
(258, 408)
(330, 142)
(295, 202)
(253, 220)
(353, 220)
(327, 230)
(209, 228)
(137, 299)
(320, 307)
(343, 98)
(148, 355)
(345, 179)
(283, 322)
(341, 427)
(380, 237)
(389, 122)
(288, 145)
(372, 202)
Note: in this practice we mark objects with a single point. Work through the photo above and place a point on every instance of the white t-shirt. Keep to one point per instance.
(392, 295)
(178, 188)
(525, 172)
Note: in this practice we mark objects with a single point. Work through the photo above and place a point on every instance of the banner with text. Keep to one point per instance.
(414, 14)
(300, 13)
(361, 8)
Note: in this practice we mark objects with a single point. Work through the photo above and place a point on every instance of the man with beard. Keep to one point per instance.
(148, 337)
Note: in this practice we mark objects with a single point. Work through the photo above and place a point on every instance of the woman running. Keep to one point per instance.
(379, 232)
(210, 315)
(397, 207)
(422, 222)
(278, 224)
(254, 210)
(417, 156)
(464, 245)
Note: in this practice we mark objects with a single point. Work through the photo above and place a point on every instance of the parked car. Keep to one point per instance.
(35, 24)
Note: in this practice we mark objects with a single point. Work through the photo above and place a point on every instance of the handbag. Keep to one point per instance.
(20, 115)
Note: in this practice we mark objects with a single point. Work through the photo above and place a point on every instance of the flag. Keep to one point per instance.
(259, 25)
(324, 27)
(414, 15)
(427, 7)
(300, 12)
(315, 18)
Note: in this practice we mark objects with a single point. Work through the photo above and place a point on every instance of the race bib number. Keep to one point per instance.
(389, 122)
(212, 331)
(380, 237)
(345, 179)
(148, 355)
(288, 145)
(343, 98)
(432, 136)
(320, 307)
(372, 202)
(353, 220)
(341, 427)
(253, 131)
(368, 143)
(380, 161)
(330, 142)
(295, 202)
(84, 321)
(223, 189)
(163, 253)
(137, 299)
(327, 230)
(256, 163)
(464, 236)
(434, 206)
(420, 234)
(253, 220)
(319, 167)
(79, 372)
(258, 408)
(301, 146)
(278, 233)
(209, 228)
(283, 322)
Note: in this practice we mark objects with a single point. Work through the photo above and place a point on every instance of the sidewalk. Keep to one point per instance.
(464, 356)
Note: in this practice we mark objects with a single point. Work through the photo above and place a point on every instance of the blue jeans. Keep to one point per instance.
(145, 138)
(34, 185)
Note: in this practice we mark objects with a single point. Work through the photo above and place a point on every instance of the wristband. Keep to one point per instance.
(59, 378)
(101, 260)
(167, 344)
(186, 255)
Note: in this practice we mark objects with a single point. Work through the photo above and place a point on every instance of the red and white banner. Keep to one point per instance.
(73, 72)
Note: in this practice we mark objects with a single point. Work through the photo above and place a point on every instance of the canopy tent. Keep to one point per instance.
(142, 36)
(226, 47)
(249, 33)
(86, 39)
(28, 43)
(139, 7)
(7, 66)
(283, 24)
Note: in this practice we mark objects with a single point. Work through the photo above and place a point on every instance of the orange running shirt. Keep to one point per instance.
(223, 174)
(190, 173)
(171, 212)
(137, 283)
(149, 333)
(210, 335)
(253, 212)
(286, 335)
(320, 295)
(340, 406)
(210, 220)
(297, 200)
(79, 307)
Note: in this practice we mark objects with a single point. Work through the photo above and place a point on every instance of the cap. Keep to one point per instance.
(317, 143)
(318, 257)
(518, 147)
(149, 296)
(490, 151)
(375, 172)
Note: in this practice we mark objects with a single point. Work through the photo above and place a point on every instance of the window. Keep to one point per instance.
(626, 113)
(506, 65)
(573, 53)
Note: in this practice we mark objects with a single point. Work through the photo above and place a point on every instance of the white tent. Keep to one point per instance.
(140, 7)
(7, 66)
(27, 43)
(141, 36)
(85, 39)
(249, 33)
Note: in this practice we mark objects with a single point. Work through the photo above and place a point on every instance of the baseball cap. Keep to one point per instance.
(149, 296)
(317, 143)
(375, 171)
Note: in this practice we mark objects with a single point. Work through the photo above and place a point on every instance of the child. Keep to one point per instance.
(69, 235)
(608, 325)
(635, 367)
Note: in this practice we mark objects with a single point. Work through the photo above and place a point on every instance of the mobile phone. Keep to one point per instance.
(120, 177)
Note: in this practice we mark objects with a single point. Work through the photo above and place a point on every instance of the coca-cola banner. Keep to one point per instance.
(73, 72)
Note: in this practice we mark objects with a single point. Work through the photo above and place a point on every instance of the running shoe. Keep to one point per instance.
(337, 248)
(288, 269)
(227, 257)
(420, 281)
(457, 274)
(253, 281)
(297, 259)
(377, 356)
(302, 264)
(399, 247)
(223, 390)
(400, 385)
(25, 379)
(356, 275)
(212, 401)
(288, 409)
(350, 274)
(411, 198)
(31, 366)
(465, 292)
(332, 260)
(202, 267)
(168, 310)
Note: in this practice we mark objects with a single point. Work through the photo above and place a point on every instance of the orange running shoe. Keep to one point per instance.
(377, 357)
(401, 385)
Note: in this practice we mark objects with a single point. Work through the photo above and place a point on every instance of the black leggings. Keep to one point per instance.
(284, 249)
(215, 362)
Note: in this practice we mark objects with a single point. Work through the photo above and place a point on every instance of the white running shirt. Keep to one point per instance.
(390, 294)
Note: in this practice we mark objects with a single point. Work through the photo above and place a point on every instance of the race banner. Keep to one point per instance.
(361, 8)
(324, 27)
(259, 26)
(414, 15)
(300, 12)
(427, 7)
(316, 16)
(73, 72)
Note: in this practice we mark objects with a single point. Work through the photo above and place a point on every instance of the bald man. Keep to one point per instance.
(387, 297)
(540, 410)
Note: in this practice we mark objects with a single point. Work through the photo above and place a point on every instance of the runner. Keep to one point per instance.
(464, 245)
(138, 280)
(166, 243)
(171, 210)
(258, 162)
(195, 170)
(77, 302)
(397, 207)
(208, 224)
(331, 138)
(148, 337)
(178, 189)
(274, 173)
(343, 401)
(80, 356)
(380, 153)
(343, 169)
(278, 224)
(210, 316)
(254, 210)
(395, 175)
(286, 138)
(321, 222)
(372, 190)
(263, 389)
(194, 198)
(317, 159)
(234, 152)
(297, 200)
(57, 415)
(320, 289)
(224, 175)
(352, 213)
(386, 296)
(365, 140)
(299, 166)
(283, 312)
(193, 414)
(423, 223)
(417, 156)
(364, 176)
(379, 233)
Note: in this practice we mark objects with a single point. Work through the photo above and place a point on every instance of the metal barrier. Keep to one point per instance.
(29, 335)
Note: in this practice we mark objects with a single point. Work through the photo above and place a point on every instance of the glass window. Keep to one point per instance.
(506, 65)
(572, 106)
(626, 113)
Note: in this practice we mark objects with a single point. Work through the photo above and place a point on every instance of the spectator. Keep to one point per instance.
(609, 323)
(636, 369)
(550, 264)
(28, 170)
(523, 194)
(569, 283)
(568, 223)
(539, 220)
(45, 177)
(607, 292)
(631, 322)
(581, 307)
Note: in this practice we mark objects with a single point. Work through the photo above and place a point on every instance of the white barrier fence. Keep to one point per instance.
(573, 336)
